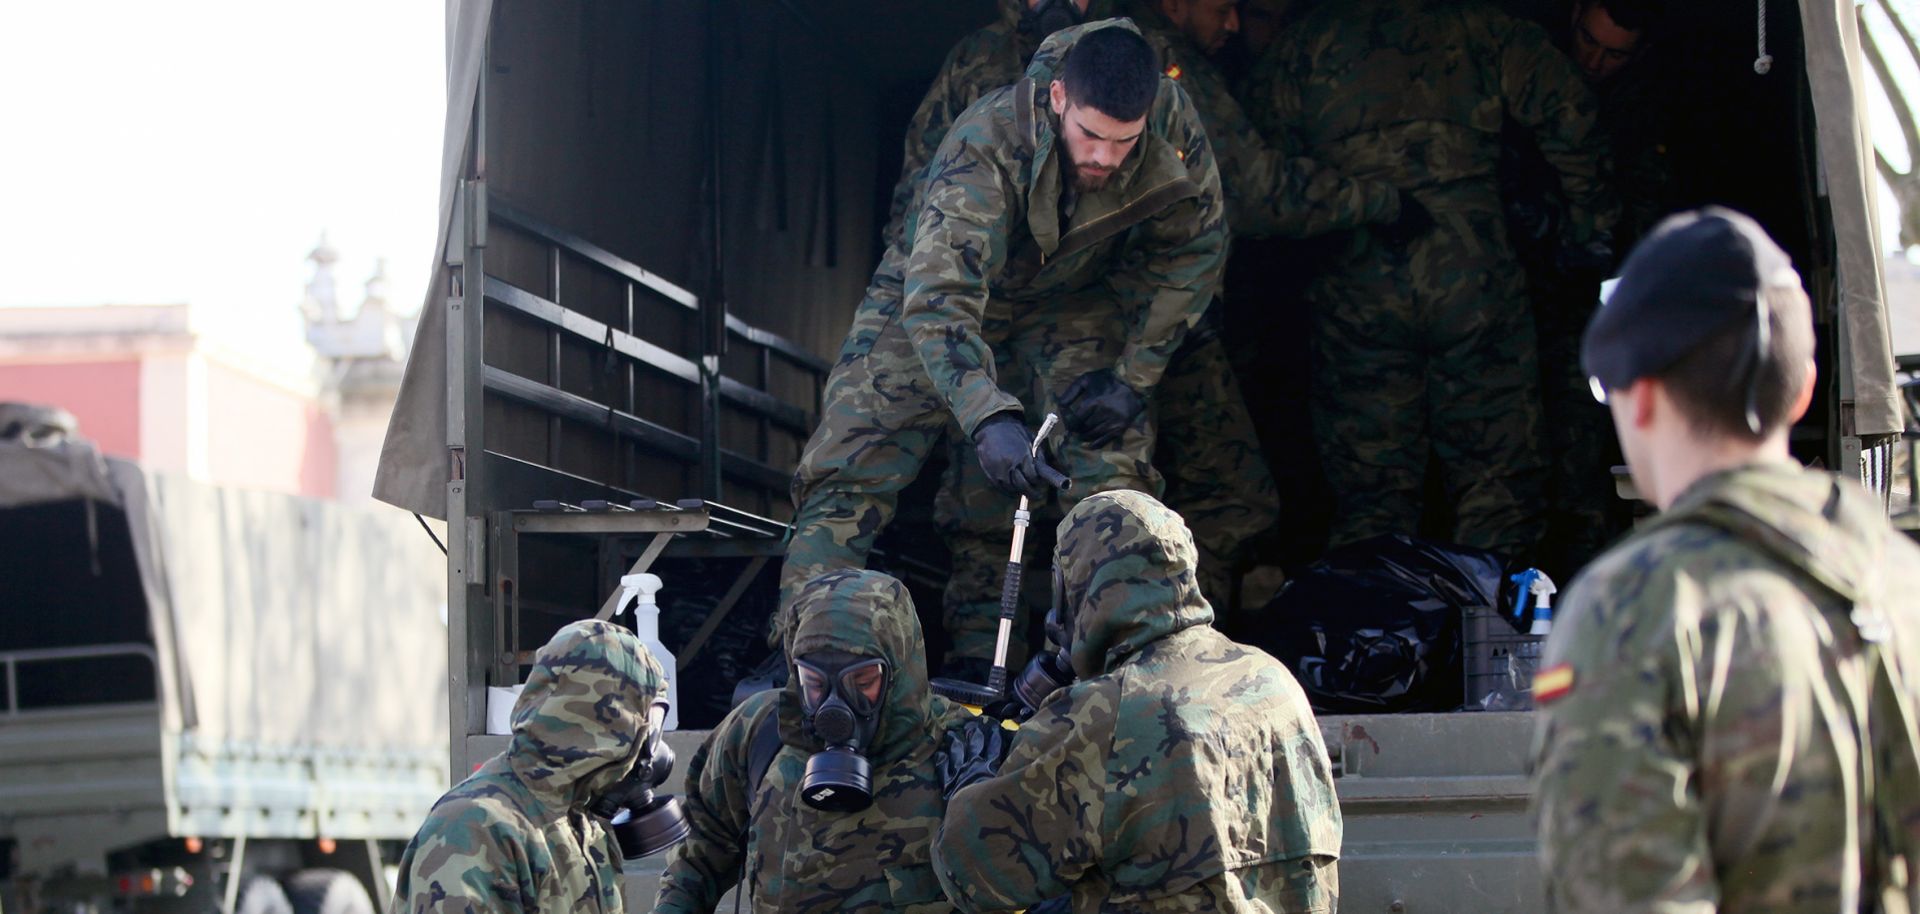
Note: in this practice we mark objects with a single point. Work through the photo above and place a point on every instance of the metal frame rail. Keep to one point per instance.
(701, 376)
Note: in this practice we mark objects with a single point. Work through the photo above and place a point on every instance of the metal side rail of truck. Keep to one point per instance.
(656, 220)
(211, 700)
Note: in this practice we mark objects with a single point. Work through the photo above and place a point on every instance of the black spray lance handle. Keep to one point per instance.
(1009, 604)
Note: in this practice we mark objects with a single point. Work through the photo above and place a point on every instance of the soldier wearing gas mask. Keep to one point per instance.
(1181, 772)
(823, 795)
(525, 833)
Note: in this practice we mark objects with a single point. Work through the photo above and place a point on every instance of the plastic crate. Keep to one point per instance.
(1498, 662)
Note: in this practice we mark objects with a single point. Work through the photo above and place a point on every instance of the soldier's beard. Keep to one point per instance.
(1086, 181)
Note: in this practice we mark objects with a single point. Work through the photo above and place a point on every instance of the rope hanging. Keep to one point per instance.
(1764, 62)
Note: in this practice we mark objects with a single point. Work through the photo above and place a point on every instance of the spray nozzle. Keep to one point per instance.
(640, 588)
(1535, 603)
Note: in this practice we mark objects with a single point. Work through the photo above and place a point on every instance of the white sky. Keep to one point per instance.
(194, 151)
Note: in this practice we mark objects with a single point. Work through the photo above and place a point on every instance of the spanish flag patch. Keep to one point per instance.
(1552, 683)
(1173, 71)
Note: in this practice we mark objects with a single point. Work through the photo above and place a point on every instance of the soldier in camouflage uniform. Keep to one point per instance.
(992, 274)
(1206, 448)
(516, 835)
(1728, 697)
(797, 858)
(1427, 350)
(1181, 772)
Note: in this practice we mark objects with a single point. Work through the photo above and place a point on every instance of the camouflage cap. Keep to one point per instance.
(1128, 566)
(582, 717)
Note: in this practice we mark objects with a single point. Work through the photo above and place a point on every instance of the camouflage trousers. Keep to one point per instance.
(1216, 479)
(1429, 353)
(881, 417)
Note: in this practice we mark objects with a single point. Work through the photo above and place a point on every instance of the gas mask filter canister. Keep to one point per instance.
(645, 823)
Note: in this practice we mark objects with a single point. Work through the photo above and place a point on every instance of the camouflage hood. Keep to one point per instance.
(579, 723)
(1826, 527)
(1129, 566)
(871, 615)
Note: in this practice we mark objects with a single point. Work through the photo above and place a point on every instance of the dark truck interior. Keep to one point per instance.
(683, 208)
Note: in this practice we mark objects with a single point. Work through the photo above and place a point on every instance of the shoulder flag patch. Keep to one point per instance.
(1552, 683)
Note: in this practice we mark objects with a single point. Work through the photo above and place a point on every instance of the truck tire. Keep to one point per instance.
(327, 892)
(261, 895)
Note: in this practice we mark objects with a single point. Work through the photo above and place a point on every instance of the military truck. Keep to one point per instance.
(210, 699)
(656, 219)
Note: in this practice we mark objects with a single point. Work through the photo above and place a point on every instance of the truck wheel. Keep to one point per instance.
(328, 892)
(261, 895)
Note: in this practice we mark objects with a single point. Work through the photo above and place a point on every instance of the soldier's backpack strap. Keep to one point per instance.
(762, 746)
(765, 744)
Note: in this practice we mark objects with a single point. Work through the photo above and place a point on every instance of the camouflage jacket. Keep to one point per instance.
(1417, 94)
(516, 835)
(1182, 772)
(1150, 245)
(1704, 697)
(798, 858)
(1267, 193)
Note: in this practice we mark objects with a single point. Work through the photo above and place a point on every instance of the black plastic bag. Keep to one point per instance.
(1374, 627)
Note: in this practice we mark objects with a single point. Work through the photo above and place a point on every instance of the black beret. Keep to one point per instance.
(1696, 274)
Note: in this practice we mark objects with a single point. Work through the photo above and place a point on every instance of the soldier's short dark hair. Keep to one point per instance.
(1710, 389)
(1632, 15)
(1113, 71)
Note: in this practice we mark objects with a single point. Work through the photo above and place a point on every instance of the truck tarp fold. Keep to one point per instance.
(413, 460)
(1836, 80)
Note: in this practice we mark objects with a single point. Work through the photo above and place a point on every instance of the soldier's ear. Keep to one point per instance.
(1057, 94)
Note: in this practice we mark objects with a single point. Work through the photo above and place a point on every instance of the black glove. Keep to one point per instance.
(1006, 454)
(1098, 406)
(1062, 904)
(970, 752)
(1415, 221)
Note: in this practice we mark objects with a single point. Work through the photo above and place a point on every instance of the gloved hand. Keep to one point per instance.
(1006, 454)
(1098, 406)
(1062, 904)
(969, 753)
(1415, 221)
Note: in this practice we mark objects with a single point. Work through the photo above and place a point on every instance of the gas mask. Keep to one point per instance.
(1048, 670)
(842, 694)
(643, 823)
(1038, 20)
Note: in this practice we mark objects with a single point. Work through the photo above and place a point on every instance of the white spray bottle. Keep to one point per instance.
(1543, 590)
(641, 589)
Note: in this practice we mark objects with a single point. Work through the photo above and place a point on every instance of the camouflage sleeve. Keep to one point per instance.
(1034, 830)
(1621, 824)
(1182, 252)
(718, 807)
(1268, 193)
(959, 244)
(1547, 95)
(464, 865)
(939, 108)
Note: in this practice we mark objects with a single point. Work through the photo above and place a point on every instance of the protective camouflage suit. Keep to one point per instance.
(516, 835)
(1182, 772)
(1713, 683)
(1428, 349)
(798, 858)
(993, 278)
